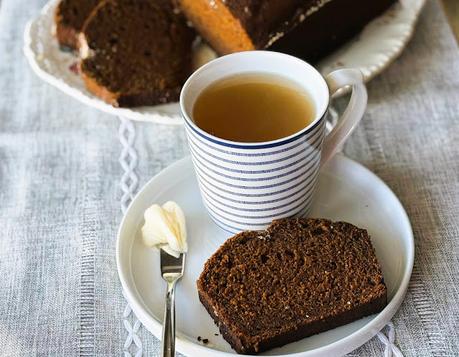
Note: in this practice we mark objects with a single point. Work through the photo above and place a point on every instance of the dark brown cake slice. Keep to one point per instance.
(69, 19)
(306, 28)
(298, 278)
(136, 52)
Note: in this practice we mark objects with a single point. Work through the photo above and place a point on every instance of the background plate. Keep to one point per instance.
(346, 191)
(372, 50)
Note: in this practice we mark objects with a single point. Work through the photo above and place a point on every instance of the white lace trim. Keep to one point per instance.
(389, 341)
(129, 183)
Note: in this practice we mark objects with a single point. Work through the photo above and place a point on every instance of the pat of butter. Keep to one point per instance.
(165, 228)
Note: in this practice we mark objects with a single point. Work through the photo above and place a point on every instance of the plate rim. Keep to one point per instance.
(344, 345)
(393, 54)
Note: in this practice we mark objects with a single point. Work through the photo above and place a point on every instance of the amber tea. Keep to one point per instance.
(253, 108)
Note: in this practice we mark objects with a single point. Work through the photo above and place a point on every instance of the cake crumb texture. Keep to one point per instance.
(136, 52)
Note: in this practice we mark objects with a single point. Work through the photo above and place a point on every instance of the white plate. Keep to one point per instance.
(346, 191)
(372, 51)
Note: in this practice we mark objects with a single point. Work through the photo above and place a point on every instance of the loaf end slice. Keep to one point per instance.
(300, 277)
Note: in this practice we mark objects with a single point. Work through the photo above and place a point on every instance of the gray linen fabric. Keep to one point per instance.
(59, 194)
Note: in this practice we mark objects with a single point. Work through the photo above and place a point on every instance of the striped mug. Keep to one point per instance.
(245, 186)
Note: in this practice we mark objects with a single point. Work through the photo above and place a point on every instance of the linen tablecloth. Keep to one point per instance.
(60, 198)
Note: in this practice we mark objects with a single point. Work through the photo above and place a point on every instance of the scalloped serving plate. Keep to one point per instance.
(372, 51)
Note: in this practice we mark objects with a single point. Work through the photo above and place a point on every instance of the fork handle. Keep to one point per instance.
(168, 343)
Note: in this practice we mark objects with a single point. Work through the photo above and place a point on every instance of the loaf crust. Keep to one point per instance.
(306, 28)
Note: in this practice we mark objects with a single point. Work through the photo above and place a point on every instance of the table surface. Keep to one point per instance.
(60, 198)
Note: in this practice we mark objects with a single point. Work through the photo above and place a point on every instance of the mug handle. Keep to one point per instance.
(353, 113)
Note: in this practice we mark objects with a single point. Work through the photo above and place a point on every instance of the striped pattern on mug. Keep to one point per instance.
(248, 186)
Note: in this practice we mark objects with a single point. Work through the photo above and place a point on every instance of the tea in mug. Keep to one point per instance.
(253, 108)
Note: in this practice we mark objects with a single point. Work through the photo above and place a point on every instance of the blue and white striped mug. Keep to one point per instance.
(248, 185)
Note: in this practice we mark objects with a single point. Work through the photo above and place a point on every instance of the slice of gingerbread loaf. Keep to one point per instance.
(135, 52)
(300, 277)
(69, 18)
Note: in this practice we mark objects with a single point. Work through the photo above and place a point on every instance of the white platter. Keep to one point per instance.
(372, 51)
(346, 191)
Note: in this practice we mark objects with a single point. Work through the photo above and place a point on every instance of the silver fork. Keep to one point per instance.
(171, 271)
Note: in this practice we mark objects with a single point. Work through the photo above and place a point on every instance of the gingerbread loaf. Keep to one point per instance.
(305, 28)
(299, 277)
